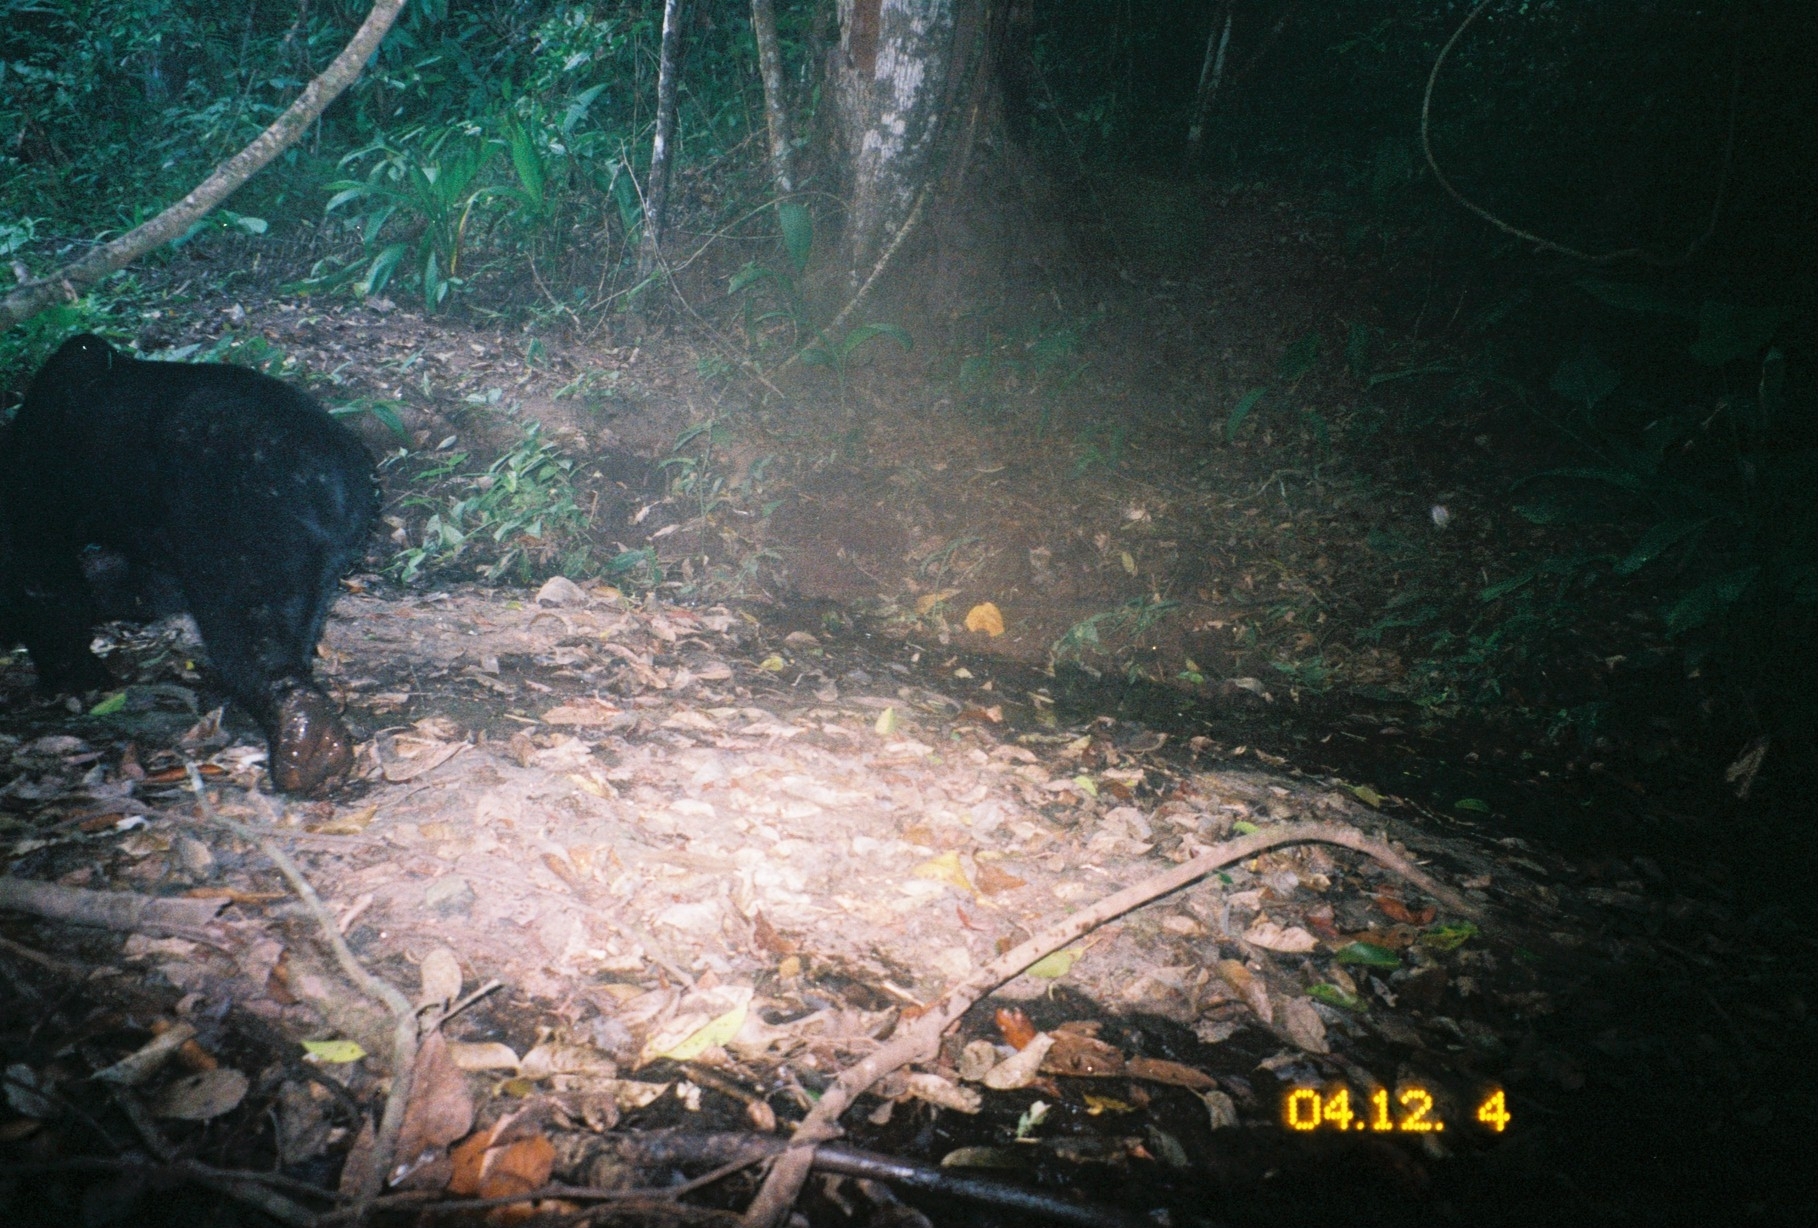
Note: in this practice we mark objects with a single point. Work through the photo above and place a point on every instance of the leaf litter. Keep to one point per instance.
(629, 859)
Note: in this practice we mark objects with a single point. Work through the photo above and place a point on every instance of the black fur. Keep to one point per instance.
(221, 489)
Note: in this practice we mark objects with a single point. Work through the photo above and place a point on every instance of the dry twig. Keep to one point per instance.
(919, 1039)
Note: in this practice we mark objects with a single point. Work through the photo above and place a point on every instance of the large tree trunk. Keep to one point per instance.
(890, 87)
(776, 110)
(34, 296)
(656, 187)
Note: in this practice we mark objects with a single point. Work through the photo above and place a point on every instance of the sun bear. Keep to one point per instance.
(222, 491)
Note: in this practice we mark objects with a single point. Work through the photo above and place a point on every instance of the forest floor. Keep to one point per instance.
(947, 646)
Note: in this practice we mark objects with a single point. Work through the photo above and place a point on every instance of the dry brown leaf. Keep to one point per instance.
(202, 1096)
(440, 1109)
(1021, 1068)
(1075, 1053)
(1251, 990)
(1301, 1024)
(991, 879)
(581, 711)
(517, 1168)
(1160, 1070)
(441, 974)
(985, 617)
(1016, 1027)
(482, 1055)
(1398, 911)
(1273, 936)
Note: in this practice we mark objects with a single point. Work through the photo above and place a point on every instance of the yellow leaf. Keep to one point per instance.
(1123, 556)
(350, 824)
(985, 617)
(712, 1035)
(1106, 1104)
(927, 601)
(1085, 784)
(944, 869)
(1053, 967)
(886, 723)
(1367, 795)
(773, 663)
(336, 1052)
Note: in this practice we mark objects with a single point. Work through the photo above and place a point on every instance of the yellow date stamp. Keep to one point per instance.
(1410, 1109)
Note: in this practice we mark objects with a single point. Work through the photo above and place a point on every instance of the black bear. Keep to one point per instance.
(223, 491)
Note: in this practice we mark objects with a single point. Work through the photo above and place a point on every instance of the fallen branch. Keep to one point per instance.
(404, 1015)
(111, 910)
(258, 1190)
(919, 1039)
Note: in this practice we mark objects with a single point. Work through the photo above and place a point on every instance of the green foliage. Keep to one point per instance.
(1127, 623)
(1297, 362)
(1034, 364)
(432, 183)
(518, 519)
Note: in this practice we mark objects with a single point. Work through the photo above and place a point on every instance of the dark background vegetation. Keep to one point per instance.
(1655, 412)
(1633, 442)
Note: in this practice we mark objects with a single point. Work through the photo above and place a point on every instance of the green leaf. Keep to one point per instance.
(1241, 410)
(337, 1052)
(1299, 358)
(112, 704)
(1332, 995)
(1709, 599)
(1056, 964)
(1476, 805)
(798, 232)
(1630, 297)
(381, 269)
(1727, 332)
(1367, 795)
(1503, 588)
(750, 275)
(1626, 479)
(1659, 539)
(1585, 379)
(865, 332)
(1368, 954)
(1448, 936)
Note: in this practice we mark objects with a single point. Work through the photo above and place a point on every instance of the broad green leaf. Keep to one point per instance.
(1474, 804)
(1368, 954)
(1056, 964)
(1709, 599)
(1332, 995)
(1585, 379)
(1503, 588)
(1727, 332)
(112, 704)
(798, 232)
(1659, 539)
(1299, 358)
(865, 332)
(1630, 297)
(1623, 478)
(1448, 936)
(1241, 410)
